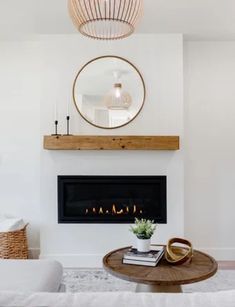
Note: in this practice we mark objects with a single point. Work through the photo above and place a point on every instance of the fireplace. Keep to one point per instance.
(111, 199)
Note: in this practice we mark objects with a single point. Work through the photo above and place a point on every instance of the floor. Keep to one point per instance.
(226, 265)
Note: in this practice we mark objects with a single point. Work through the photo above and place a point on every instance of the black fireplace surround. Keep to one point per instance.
(111, 199)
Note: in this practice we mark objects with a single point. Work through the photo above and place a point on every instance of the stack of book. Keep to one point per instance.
(148, 259)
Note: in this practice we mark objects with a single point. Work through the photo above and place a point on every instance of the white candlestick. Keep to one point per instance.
(56, 111)
(68, 108)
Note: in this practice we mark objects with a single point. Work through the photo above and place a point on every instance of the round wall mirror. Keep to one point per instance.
(109, 92)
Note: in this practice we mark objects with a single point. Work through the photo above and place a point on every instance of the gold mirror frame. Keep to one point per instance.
(103, 57)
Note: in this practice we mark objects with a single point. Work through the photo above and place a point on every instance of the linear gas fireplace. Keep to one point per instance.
(111, 199)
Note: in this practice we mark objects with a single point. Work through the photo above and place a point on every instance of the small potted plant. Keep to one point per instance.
(143, 229)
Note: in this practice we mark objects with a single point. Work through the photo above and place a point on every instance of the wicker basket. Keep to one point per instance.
(13, 244)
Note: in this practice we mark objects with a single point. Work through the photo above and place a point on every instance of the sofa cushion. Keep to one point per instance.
(30, 275)
(119, 299)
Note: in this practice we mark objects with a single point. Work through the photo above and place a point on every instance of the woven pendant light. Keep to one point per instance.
(118, 99)
(105, 19)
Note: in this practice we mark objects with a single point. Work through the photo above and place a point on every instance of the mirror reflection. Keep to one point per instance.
(109, 92)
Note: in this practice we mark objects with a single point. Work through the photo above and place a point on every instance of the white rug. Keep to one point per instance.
(96, 280)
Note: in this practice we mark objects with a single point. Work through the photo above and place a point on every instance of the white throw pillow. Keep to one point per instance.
(11, 224)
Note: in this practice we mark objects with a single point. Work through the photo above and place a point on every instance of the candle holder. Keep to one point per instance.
(68, 119)
(56, 128)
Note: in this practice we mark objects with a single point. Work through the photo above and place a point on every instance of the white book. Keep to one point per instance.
(140, 262)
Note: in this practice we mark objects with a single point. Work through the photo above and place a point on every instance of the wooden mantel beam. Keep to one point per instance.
(108, 142)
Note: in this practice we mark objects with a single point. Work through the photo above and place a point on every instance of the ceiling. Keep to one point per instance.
(196, 19)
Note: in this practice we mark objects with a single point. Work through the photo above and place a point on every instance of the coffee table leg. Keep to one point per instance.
(157, 288)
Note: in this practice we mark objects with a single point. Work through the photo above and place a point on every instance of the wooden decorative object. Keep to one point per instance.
(164, 277)
(95, 142)
(177, 255)
(105, 19)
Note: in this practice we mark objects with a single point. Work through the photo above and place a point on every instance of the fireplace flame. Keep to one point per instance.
(120, 211)
(114, 211)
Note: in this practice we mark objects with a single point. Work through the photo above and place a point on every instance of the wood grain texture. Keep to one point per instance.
(95, 142)
(202, 267)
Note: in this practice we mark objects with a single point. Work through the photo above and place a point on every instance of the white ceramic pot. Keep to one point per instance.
(143, 245)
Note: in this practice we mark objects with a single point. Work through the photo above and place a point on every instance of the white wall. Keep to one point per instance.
(20, 134)
(36, 73)
(210, 146)
(159, 58)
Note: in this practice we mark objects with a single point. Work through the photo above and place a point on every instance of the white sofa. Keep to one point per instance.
(30, 275)
(118, 299)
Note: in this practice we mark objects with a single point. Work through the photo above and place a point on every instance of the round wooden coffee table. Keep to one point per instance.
(164, 277)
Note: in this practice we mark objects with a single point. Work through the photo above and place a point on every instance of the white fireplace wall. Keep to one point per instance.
(159, 59)
(35, 71)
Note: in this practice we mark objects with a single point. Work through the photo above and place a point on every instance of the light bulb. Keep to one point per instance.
(117, 87)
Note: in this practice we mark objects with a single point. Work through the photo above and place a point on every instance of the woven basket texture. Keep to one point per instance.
(13, 244)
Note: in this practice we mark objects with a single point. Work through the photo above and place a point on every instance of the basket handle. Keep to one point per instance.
(25, 226)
